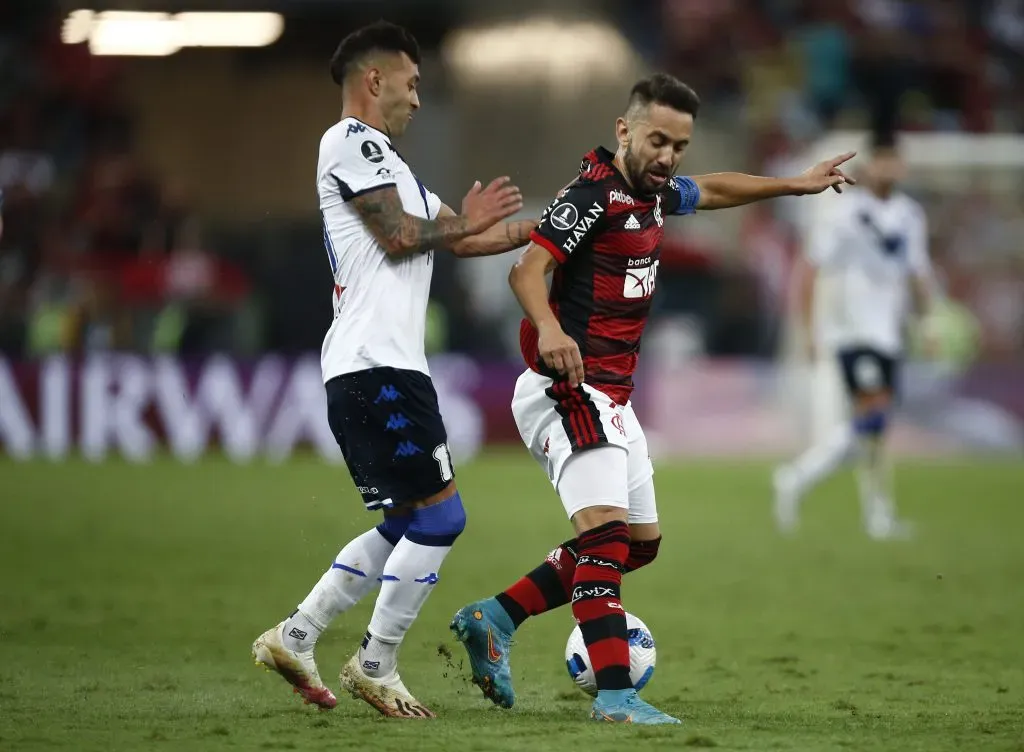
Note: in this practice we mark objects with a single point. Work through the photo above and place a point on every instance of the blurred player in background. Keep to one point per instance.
(602, 238)
(874, 252)
(381, 229)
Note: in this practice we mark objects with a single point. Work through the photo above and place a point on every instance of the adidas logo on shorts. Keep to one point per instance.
(632, 223)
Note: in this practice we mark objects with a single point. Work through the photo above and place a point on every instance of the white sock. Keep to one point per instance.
(353, 574)
(873, 482)
(811, 467)
(409, 577)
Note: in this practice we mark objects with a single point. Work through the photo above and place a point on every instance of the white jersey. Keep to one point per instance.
(380, 304)
(866, 253)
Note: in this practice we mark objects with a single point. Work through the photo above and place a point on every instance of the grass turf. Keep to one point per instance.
(131, 595)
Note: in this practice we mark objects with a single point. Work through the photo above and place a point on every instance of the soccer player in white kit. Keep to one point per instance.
(874, 253)
(381, 230)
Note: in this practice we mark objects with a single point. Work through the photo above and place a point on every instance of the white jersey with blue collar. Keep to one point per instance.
(380, 303)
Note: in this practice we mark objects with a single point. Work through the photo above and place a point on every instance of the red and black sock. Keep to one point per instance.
(545, 588)
(641, 553)
(597, 602)
(549, 586)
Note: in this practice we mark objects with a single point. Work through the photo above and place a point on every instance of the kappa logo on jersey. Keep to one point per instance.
(355, 128)
(618, 197)
(640, 281)
(632, 223)
(582, 226)
(372, 152)
(564, 217)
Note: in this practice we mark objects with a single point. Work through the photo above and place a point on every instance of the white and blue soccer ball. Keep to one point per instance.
(642, 657)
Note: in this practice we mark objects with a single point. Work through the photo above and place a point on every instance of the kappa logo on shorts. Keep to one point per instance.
(430, 579)
(388, 393)
(407, 449)
(396, 422)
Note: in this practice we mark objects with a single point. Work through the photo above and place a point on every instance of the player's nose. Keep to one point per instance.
(415, 101)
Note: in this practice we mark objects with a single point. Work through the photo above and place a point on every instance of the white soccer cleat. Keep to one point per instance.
(389, 696)
(886, 527)
(298, 669)
(787, 500)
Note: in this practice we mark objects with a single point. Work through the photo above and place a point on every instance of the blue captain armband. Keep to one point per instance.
(689, 194)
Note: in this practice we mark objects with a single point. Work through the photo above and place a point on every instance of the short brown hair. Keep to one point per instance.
(661, 88)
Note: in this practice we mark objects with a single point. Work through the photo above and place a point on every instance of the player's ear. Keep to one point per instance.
(622, 132)
(374, 80)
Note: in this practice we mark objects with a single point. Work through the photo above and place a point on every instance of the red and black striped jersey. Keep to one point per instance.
(607, 241)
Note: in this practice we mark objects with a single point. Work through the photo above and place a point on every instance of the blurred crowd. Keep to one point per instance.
(97, 252)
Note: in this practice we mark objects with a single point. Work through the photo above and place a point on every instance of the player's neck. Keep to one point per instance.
(880, 191)
(369, 115)
(620, 164)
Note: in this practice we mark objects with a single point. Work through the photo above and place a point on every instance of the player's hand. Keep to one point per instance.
(559, 351)
(826, 175)
(485, 207)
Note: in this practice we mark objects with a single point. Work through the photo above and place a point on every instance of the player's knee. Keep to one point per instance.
(871, 422)
(394, 526)
(438, 524)
(642, 553)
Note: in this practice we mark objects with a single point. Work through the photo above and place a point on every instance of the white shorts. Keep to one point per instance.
(558, 426)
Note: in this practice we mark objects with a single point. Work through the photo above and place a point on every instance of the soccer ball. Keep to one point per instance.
(642, 657)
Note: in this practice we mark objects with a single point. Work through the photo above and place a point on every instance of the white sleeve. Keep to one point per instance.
(433, 203)
(917, 244)
(360, 165)
(830, 237)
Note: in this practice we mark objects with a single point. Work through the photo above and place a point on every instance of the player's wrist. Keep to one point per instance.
(548, 326)
(799, 185)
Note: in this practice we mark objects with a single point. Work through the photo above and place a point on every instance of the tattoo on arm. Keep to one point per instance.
(518, 233)
(400, 233)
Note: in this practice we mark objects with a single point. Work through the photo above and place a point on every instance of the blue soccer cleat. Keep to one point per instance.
(625, 706)
(486, 632)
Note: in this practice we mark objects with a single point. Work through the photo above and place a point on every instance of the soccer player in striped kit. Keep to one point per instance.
(601, 238)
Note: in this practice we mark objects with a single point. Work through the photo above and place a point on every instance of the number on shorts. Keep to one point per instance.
(444, 461)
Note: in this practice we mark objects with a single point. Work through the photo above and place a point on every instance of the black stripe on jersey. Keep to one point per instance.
(347, 194)
(576, 305)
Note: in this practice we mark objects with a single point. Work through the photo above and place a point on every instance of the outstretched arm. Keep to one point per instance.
(401, 234)
(502, 237)
(723, 190)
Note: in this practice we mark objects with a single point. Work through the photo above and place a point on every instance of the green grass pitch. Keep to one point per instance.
(131, 595)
